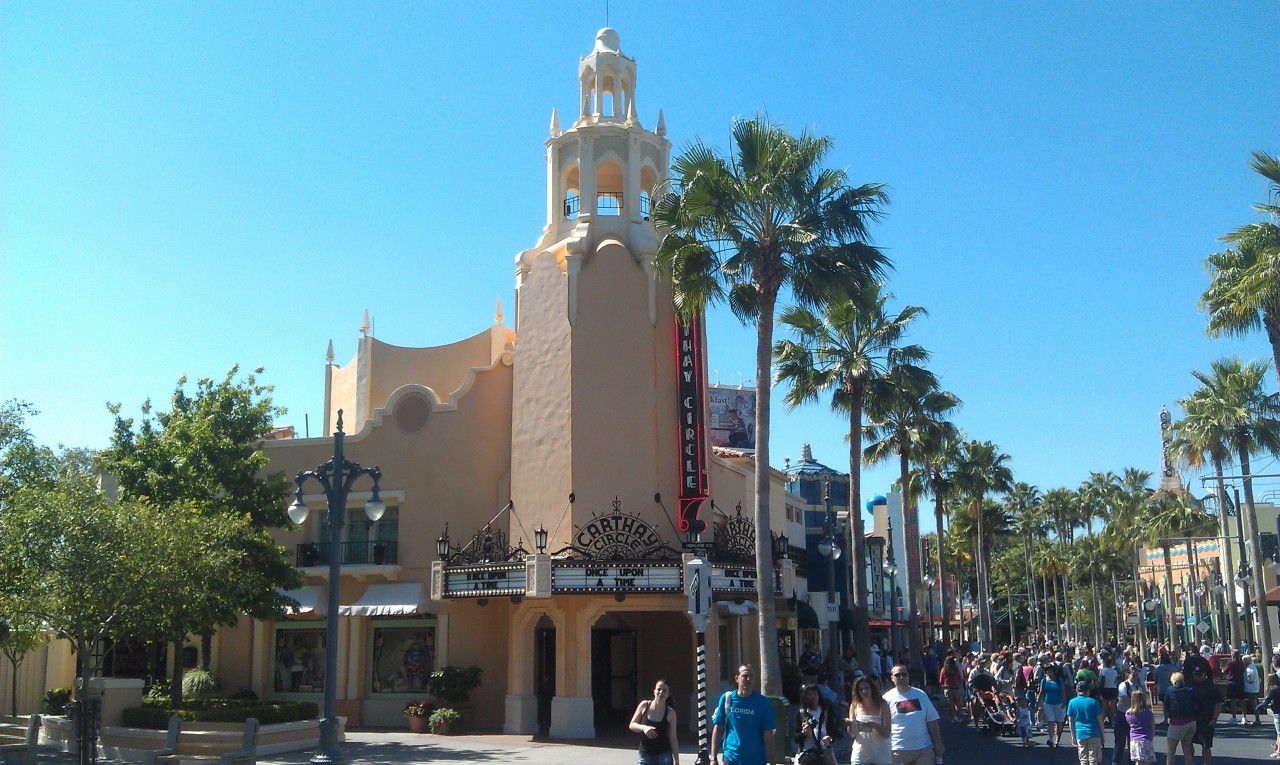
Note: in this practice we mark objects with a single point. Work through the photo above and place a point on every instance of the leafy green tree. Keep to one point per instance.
(746, 228)
(205, 451)
(1244, 288)
(852, 342)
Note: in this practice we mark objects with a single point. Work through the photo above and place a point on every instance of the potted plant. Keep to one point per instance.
(453, 685)
(444, 721)
(418, 713)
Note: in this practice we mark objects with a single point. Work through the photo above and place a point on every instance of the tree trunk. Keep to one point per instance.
(1271, 323)
(910, 518)
(861, 616)
(942, 573)
(1233, 611)
(770, 671)
(206, 649)
(175, 676)
(979, 559)
(1168, 591)
(1255, 545)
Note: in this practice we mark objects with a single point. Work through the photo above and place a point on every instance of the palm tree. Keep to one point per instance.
(938, 450)
(1197, 438)
(1244, 288)
(743, 229)
(904, 404)
(854, 341)
(1248, 417)
(1060, 510)
(1127, 511)
(1095, 502)
(1024, 506)
(1171, 518)
(983, 469)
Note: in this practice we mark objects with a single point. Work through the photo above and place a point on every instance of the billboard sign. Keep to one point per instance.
(732, 413)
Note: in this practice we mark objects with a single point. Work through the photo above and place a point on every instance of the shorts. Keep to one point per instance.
(1235, 690)
(955, 694)
(1183, 732)
(1204, 735)
(1109, 694)
(1089, 751)
(1142, 751)
(1053, 713)
(662, 758)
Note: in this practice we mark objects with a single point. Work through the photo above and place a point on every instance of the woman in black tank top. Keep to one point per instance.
(655, 721)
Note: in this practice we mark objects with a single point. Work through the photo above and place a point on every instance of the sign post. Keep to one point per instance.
(697, 577)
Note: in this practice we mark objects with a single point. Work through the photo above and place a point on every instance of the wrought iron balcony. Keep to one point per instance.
(312, 554)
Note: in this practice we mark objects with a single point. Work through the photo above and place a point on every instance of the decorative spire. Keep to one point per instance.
(555, 123)
(497, 314)
(662, 124)
(806, 454)
(364, 324)
(328, 356)
(631, 114)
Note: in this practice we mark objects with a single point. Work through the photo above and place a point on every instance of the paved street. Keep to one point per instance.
(1233, 745)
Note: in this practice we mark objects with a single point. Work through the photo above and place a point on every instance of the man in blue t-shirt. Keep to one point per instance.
(743, 722)
(1084, 717)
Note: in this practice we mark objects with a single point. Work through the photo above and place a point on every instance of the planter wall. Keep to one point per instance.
(130, 744)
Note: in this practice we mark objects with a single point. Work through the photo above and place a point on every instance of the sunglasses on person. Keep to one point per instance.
(897, 674)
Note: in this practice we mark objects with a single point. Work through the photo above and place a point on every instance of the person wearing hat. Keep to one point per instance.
(1210, 704)
(1085, 721)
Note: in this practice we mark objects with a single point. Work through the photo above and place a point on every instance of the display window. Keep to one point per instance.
(403, 655)
(298, 664)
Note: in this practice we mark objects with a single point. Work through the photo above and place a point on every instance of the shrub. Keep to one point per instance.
(55, 701)
(453, 685)
(199, 684)
(267, 713)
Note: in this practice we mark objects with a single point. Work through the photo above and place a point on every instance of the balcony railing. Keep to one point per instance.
(312, 554)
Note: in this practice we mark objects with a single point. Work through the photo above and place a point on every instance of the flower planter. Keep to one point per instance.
(417, 724)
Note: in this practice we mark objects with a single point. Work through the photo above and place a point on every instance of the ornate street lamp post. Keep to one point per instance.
(830, 550)
(891, 571)
(336, 478)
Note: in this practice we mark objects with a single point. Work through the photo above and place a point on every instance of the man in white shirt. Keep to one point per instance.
(914, 736)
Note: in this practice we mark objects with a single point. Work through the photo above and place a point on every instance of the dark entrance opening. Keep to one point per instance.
(613, 678)
(544, 674)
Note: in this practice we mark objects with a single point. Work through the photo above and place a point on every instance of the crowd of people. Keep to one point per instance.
(1091, 694)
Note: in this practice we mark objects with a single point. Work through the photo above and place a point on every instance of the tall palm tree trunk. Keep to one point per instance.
(1255, 545)
(1168, 592)
(979, 558)
(861, 620)
(914, 643)
(942, 573)
(1224, 540)
(770, 670)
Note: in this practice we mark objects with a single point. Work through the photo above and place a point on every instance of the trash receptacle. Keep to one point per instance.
(782, 718)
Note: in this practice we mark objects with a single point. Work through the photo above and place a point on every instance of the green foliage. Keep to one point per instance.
(453, 685)
(157, 718)
(418, 708)
(55, 701)
(199, 684)
(441, 717)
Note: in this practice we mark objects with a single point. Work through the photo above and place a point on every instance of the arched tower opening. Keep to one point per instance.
(609, 188)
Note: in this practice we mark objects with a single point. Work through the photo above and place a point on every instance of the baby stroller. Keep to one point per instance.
(995, 713)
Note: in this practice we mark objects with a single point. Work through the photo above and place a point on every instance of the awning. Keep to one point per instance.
(398, 599)
(807, 617)
(728, 607)
(311, 600)
(1273, 596)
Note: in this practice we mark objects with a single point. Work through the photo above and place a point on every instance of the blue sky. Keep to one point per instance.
(192, 185)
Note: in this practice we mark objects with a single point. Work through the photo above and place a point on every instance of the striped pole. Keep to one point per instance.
(704, 734)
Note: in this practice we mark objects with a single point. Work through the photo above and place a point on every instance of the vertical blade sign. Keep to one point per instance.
(693, 444)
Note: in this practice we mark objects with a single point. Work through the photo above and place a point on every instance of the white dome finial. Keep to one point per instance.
(364, 324)
(607, 42)
(328, 356)
(555, 123)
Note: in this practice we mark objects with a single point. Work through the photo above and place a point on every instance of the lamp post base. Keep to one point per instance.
(329, 753)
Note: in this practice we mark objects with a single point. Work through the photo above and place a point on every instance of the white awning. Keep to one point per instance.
(737, 609)
(397, 599)
(311, 601)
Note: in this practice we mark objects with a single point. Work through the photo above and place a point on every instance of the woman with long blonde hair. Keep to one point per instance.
(1142, 728)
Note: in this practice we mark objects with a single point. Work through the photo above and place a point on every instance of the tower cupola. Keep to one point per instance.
(601, 173)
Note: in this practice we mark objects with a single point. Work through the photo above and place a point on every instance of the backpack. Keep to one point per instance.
(1182, 701)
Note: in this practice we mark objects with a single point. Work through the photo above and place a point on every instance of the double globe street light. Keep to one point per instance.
(336, 478)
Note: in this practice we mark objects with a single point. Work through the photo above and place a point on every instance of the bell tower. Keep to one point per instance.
(594, 411)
